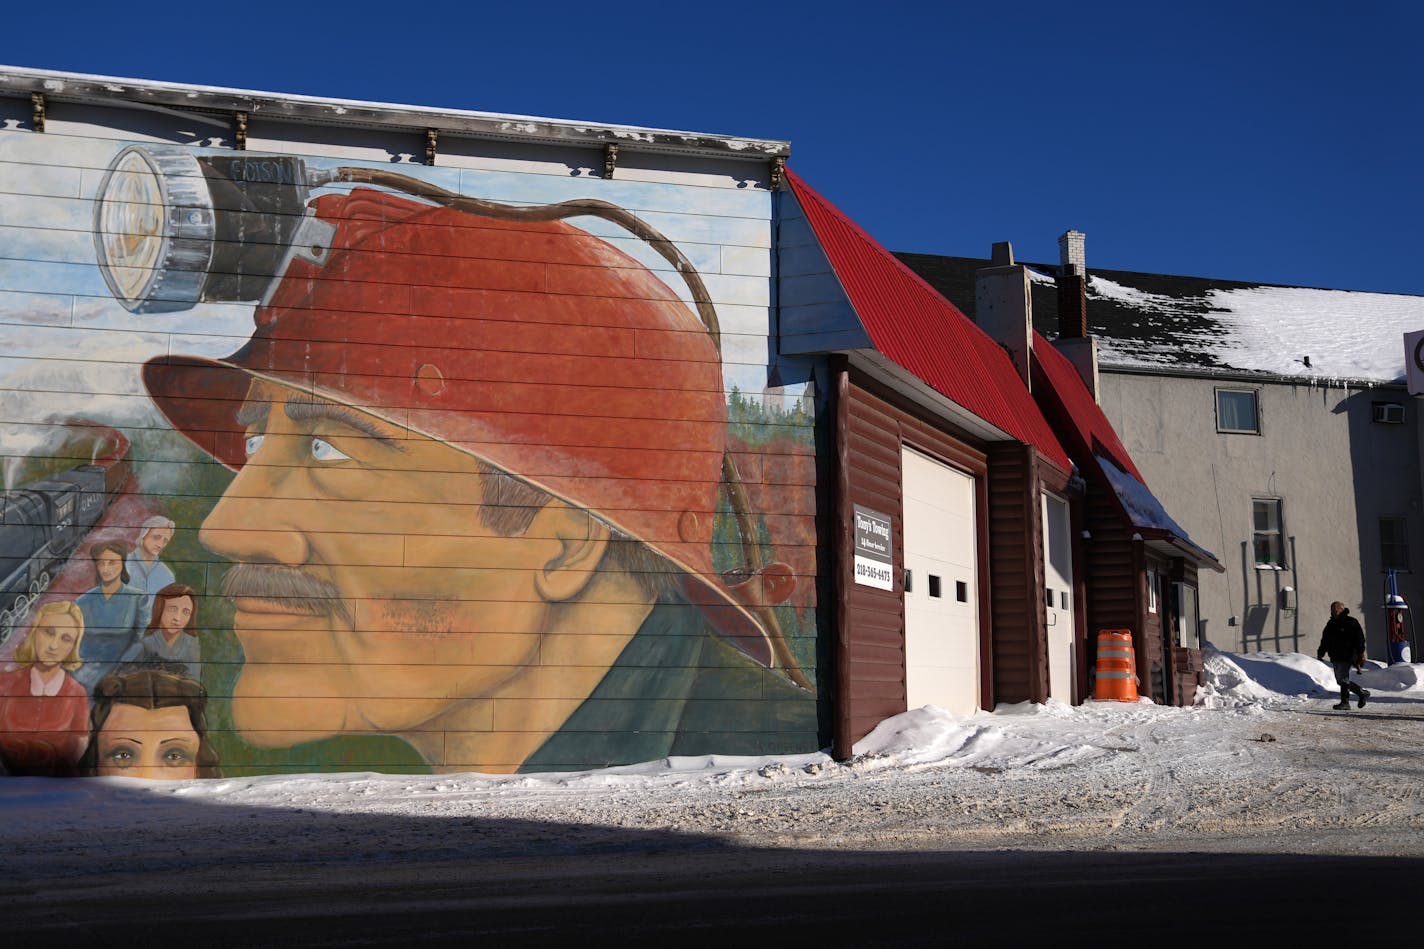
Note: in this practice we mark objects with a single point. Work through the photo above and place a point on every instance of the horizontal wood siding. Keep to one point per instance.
(1114, 576)
(1018, 643)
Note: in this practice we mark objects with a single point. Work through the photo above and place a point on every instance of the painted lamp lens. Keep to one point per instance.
(154, 229)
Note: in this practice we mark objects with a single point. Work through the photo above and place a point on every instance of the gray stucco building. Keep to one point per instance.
(1274, 422)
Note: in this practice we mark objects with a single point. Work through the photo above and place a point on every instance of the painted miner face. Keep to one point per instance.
(369, 596)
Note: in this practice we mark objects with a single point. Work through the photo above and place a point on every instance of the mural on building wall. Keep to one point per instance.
(316, 464)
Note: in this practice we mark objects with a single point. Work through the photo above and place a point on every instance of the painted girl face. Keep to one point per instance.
(54, 642)
(155, 743)
(176, 613)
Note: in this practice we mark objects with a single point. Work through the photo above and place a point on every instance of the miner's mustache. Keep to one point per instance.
(289, 586)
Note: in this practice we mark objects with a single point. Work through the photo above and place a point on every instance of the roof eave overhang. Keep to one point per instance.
(19, 82)
(903, 382)
(1166, 542)
(1243, 375)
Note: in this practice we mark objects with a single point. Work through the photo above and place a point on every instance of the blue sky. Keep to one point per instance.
(1256, 141)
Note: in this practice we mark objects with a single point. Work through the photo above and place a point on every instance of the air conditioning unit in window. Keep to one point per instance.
(1390, 413)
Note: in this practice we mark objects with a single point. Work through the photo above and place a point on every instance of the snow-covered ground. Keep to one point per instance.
(1261, 764)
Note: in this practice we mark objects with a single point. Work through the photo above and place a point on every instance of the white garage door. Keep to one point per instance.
(942, 590)
(1058, 591)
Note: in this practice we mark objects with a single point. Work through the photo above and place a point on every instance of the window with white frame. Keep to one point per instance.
(1185, 618)
(1236, 411)
(1266, 533)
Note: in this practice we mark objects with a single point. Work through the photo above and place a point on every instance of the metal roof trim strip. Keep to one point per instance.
(81, 87)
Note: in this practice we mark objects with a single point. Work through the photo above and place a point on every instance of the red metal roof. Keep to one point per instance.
(921, 331)
(1082, 410)
(1099, 452)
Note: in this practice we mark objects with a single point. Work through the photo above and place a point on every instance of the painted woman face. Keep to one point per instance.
(109, 565)
(176, 613)
(54, 641)
(155, 743)
(155, 540)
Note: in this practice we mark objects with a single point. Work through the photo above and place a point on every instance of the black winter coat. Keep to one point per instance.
(1342, 639)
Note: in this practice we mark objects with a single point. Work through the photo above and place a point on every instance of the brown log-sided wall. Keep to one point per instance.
(1118, 598)
(1114, 575)
(1019, 640)
(872, 427)
(870, 642)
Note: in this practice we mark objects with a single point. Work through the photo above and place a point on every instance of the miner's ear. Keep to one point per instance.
(582, 541)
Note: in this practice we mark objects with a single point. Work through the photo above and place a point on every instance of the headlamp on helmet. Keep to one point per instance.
(173, 229)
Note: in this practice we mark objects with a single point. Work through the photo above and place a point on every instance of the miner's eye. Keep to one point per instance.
(253, 443)
(323, 450)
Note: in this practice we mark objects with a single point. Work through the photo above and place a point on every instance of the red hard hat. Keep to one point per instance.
(535, 347)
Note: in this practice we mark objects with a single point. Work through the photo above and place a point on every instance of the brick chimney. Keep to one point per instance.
(1072, 287)
(1073, 339)
(1003, 306)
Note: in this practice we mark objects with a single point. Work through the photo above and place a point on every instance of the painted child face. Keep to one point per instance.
(176, 613)
(157, 743)
(54, 642)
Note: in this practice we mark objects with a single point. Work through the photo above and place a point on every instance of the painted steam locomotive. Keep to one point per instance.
(43, 522)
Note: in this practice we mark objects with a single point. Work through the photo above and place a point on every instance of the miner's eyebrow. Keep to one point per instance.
(252, 412)
(305, 408)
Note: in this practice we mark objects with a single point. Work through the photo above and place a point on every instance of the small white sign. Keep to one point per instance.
(1414, 361)
(871, 573)
(874, 549)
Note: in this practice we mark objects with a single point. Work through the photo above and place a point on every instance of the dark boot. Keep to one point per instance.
(1364, 697)
(1344, 700)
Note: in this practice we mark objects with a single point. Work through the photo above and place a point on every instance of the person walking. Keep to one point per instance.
(1344, 642)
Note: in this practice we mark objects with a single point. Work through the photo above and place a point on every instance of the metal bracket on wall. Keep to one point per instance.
(239, 131)
(432, 139)
(778, 169)
(610, 159)
(37, 99)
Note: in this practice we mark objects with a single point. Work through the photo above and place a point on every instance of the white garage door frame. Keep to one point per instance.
(943, 648)
(1060, 596)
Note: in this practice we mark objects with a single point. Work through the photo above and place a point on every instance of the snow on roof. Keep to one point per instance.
(1343, 334)
(1158, 321)
(1140, 504)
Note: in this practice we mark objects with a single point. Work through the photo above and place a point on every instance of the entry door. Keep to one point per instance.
(942, 595)
(1058, 594)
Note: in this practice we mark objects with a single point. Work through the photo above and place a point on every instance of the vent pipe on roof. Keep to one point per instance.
(1073, 339)
(1003, 306)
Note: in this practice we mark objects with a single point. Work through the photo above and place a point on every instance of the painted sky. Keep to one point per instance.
(1259, 141)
